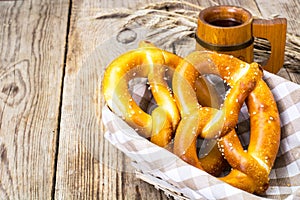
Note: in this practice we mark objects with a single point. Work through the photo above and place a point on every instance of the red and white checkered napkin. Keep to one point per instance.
(166, 171)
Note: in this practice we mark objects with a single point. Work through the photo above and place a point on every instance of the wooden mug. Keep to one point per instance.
(231, 30)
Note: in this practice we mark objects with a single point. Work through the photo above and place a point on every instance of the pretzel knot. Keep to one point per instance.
(250, 167)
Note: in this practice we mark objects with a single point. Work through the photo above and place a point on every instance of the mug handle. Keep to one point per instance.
(274, 31)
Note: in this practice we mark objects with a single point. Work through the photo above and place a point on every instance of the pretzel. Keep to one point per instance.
(149, 63)
(250, 170)
(157, 66)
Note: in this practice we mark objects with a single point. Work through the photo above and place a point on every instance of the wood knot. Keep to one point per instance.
(11, 89)
(126, 36)
(14, 83)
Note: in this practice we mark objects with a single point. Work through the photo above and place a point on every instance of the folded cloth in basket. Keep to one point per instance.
(193, 183)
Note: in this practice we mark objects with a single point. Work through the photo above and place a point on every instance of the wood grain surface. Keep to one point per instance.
(53, 55)
(32, 38)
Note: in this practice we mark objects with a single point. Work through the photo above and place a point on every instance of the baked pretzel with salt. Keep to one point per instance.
(250, 170)
(151, 63)
(252, 167)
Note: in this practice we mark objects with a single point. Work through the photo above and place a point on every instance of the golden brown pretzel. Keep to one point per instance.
(255, 165)
(250, 169)
(151, 63)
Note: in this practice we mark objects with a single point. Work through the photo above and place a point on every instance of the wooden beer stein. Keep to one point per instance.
(231, 30)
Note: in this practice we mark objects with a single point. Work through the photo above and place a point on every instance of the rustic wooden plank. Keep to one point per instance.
(89, 167)
(249, 5)
(281, 8)
(32, 38)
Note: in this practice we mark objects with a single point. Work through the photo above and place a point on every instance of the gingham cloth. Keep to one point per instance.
(161, 167)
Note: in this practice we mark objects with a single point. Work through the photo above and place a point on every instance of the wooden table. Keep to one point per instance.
(53, 54)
